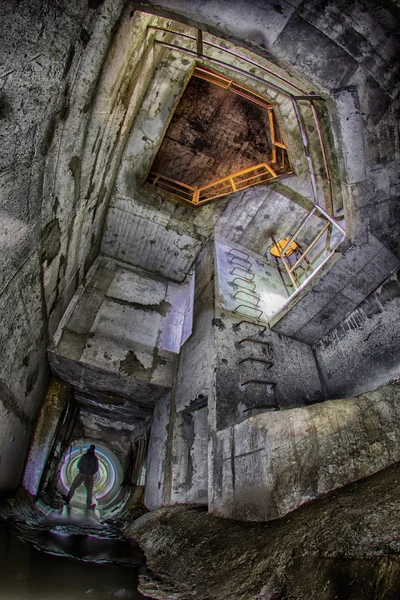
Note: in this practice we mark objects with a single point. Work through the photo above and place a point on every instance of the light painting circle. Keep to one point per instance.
(107, 479)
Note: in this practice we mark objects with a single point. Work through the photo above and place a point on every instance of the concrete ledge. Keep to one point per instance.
(335, 292)
(272, 463)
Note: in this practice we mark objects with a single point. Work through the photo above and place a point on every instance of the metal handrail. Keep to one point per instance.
(250, 308)
(247, 339)
(260, 381)
(263, 327)
(223, 187)
(303, 254)
(245, 271)
(227, 51)
(275, 406)
(242, 71)
(239, 252)
(242, 259)
(246, 280)
(255, 297)
(254, 359)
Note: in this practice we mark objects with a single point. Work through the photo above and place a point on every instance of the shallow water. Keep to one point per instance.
(30, 574)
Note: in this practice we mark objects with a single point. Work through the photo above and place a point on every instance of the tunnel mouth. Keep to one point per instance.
(108, 479)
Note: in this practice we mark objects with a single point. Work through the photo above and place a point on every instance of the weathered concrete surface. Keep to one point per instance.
(325, 301)
(157, 455)
(363, 352)
(272, 463)
(84, 151)
(187, 464)
(340, 547)
(232, 291)
(190, 463)
(23, 367)
(45, 434)
(42, 49)
(289, 367)
(348, 60)
(140, 229)
(122, 333)
(195, 378)
(67, 116)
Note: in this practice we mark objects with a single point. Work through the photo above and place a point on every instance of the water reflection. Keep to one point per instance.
(29, 574)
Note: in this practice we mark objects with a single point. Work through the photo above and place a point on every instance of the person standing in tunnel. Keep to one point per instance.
(88, 466)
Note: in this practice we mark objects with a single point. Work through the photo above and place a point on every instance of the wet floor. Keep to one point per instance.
(30, 574)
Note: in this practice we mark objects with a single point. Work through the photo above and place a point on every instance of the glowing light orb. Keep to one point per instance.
(108, 478)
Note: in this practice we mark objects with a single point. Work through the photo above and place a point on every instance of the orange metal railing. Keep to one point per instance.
(221, 187)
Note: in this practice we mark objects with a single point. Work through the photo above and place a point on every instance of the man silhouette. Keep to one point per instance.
(88, 466)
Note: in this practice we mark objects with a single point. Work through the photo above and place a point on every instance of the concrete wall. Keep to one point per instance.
(347, 54)
(293, 374)
(187, 466)
(139, 229)
(85, 151)
(157, 455)
(232, 292)
(195, 377)
(62, 101)
(35, 74)
(272, 463)
(46, 432)
(190, 463)
(364, 351)
(67, 110)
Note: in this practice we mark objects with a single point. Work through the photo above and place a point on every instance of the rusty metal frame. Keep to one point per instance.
(244, 260)
(233, 86)
(232, 250)
(260, 381)
(248, 339)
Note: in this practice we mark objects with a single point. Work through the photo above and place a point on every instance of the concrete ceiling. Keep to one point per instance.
(213, 133)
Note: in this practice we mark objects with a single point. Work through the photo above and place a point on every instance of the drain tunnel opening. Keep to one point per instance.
(107, 480)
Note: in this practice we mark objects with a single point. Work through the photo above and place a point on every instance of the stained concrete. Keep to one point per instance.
(157, 454)
(195, 378)
(363, 351)
(190, 467)
(272, 463)
(266, 371)
(121, 335)
(51, 412)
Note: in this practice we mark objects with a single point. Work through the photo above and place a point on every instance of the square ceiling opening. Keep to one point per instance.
(221, 139)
